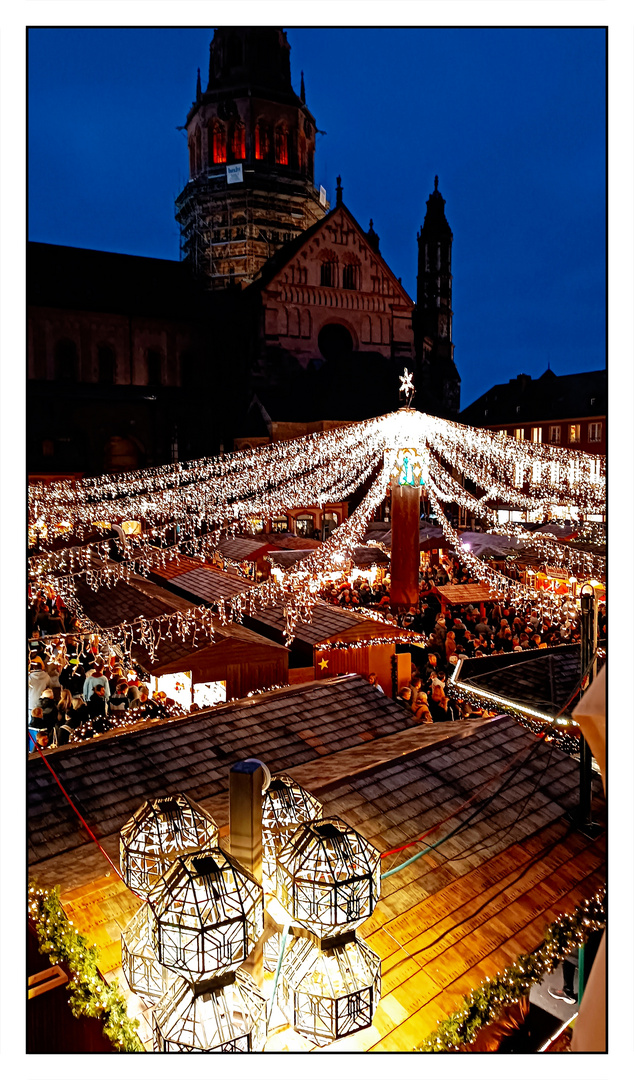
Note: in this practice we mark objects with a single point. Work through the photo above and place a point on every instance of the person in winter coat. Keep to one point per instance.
(95, 678)
(39, 680)
(49, 709)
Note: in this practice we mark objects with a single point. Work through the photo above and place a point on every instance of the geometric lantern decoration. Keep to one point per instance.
(207, 914)
(285, 805)
(143, 973)
(329, 994)
(160, 830)
(227, 1019)
(328, 877)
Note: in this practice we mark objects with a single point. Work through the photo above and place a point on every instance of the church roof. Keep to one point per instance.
(282, 257)
(87, 280)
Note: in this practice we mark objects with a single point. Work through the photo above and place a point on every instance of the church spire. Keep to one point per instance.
(302, 90)
(199, 92)
(339, 192)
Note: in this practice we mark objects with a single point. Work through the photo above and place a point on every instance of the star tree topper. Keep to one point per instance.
(406, 389)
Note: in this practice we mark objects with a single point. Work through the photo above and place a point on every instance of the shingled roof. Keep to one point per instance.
(542, 679)
(110, 776)
(327, 620)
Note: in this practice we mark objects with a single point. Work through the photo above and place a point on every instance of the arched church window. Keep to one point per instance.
(153, 367)
(218, 144)
(66, 360)
(351, 276)
(106, 364)
(238, 142)
(261, 141)
(281, 146)
(328, 274)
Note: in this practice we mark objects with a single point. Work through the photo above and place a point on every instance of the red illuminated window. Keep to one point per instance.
(281, 147)
(238, 145)
(219, 145)
(261, 141)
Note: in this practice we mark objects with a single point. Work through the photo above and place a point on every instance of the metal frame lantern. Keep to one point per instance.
(160, 830)
(285, 805)
(328, 994)
(207, 914)
(143, 973)
(328, 877)
(221, 1019)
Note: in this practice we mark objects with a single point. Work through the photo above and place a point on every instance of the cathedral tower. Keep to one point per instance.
(251, 143)
(438, 383)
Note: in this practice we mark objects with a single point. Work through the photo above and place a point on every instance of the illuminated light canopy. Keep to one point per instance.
(285, 805)
(328, 877)
(224, 1019)
(329, 994)
(157, 833)
(207, 914)
(143, 973)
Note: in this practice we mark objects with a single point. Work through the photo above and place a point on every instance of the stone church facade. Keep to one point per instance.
(282, 310)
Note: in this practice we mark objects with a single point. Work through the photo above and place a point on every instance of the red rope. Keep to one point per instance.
(83, 821)
(483, 787)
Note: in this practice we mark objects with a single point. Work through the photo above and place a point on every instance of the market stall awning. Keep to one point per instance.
(465, 594)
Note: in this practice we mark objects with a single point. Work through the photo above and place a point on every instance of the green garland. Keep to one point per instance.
(90, 994)
(484, 1005)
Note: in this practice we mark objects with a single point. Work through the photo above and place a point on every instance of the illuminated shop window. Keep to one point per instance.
(304, 524)
(536, 434)
(574, 433)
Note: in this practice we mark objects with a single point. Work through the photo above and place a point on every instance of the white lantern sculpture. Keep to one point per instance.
(329, 993)
(285, 805)
(160, 830)
(212, 1018)
(144, 975)
(328, 877)
(207, 914)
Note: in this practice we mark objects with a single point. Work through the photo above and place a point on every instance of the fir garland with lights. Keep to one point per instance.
(485, 1004)
(90, 994)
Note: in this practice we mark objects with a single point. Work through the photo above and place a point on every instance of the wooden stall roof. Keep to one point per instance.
(205, 583)
(465, 594)
(369, 629)
(110, 775)
(327, 620)
(458, 915)
(242, 547)
(126, 601)
(543, 679)
(232, 644)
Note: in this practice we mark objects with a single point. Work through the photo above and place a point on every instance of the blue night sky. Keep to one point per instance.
(512, 120)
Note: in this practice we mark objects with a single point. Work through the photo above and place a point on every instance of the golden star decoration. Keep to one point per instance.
(323, 664)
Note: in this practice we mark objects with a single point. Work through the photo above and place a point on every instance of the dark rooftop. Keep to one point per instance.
(543, 679)
(550, 397)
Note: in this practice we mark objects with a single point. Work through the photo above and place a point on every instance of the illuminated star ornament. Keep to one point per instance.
(323, 664)
(406, 388)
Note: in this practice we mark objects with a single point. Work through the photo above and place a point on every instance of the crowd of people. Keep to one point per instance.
(73, 692)
(462, 629)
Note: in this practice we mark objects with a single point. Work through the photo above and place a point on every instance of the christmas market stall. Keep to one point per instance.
(470, 883)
